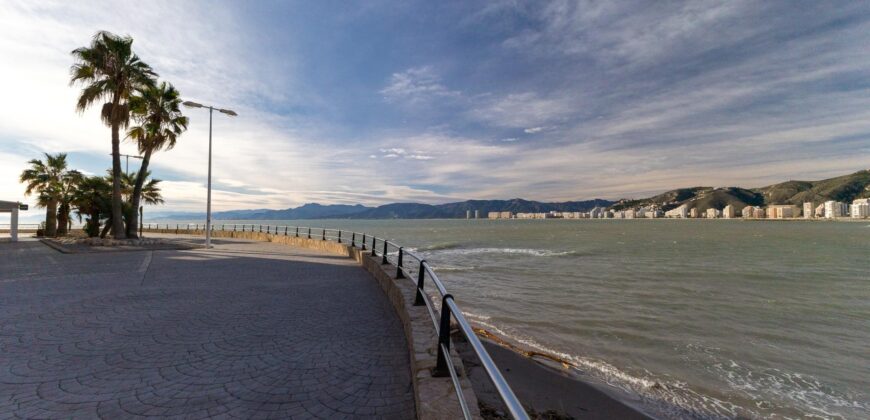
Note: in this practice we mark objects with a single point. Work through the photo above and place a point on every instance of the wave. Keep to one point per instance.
(522, 251)
(668, 399)
(439, 268)
(439, 246)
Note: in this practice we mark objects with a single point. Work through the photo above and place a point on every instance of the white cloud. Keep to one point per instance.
(521, 110)
(415, 85)
(533, 130)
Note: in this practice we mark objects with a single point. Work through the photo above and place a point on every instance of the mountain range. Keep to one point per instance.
(393, 211)
(843, 188)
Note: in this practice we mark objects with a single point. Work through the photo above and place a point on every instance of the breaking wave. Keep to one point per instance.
(521, 251)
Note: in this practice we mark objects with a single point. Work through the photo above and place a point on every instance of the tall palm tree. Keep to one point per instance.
(45, 178)
(157, 110)
(109, 71)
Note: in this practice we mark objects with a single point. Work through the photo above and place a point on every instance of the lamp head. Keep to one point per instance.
(228, 112)
(191, 104)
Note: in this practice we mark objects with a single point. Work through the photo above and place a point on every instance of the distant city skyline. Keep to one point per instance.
(442, 102)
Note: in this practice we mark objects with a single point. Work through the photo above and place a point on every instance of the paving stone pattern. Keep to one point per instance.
(246, 330)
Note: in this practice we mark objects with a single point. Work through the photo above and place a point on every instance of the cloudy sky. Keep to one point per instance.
(443, 101)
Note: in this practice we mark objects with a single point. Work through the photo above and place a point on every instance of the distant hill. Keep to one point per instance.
(307, 211)
(843, 188)
(458, 210)
(393, 211)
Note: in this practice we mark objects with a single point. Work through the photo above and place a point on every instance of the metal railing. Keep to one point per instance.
(420, 269)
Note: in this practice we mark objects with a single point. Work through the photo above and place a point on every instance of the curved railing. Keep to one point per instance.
(420, 269)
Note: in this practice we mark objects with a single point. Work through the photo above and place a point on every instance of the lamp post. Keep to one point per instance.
(211, 109)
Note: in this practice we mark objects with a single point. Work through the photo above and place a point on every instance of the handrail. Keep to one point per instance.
(444, 364)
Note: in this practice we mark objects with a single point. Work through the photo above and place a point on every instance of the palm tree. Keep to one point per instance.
(93, 199)
(157, 110)
(69, 183)
(109, 70)
(46, 180)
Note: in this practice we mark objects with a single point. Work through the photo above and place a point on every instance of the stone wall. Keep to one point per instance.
(435, 397)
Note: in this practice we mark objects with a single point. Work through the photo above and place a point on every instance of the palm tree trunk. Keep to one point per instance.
(133, 220)
(63, 219)
(117, 203)
(105, 229)
(51, 219)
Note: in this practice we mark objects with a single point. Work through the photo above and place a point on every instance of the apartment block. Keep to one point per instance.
(834, 209)
(808, 210)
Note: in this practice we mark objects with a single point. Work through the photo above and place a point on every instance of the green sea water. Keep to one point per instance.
(693, 318)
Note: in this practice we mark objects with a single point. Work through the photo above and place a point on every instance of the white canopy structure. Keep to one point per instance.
(11, 207)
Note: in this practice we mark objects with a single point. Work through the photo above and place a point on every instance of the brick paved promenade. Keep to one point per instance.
(248, 329)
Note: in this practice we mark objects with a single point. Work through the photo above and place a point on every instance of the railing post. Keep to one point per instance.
(384, 254)
(261, 228)
(339, 236)
(309, 233)
(176, 228)
(323, 235)
(441, 368)
(421, 276)
(399, 274)
(374, 252)
(297, 231)
(234, 227)
(363, 243)
(285, 230)
(352, 239)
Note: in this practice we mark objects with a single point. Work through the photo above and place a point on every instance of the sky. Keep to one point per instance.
(377, 102)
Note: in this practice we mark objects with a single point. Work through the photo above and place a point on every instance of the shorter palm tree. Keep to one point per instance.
(69, 183)
(157, 109)
(92, 199)
(46, 179)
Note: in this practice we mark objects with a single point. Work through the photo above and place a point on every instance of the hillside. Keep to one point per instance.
(393, 211)
(459, 209)
(842, 188)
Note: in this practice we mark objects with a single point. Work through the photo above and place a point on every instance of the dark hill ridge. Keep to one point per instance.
(842, 188)
(458, 210)
(396, 210)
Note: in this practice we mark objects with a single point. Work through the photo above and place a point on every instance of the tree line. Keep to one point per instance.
(109, 72)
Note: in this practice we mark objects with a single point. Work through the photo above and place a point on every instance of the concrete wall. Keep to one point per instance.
(435, 397)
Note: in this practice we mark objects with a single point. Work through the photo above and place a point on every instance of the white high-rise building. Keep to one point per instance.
(834, 209)
(860, 208)
(728, 212)
(808, 209)
(680, 212)
(748, 212)
(712, 213)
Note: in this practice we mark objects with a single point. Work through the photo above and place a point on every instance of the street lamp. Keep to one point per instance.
(191, 104)
(127, 171)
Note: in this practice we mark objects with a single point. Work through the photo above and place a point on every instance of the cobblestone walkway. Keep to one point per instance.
(248, 329)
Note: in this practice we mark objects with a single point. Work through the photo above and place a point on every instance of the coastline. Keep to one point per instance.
(546, 390)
